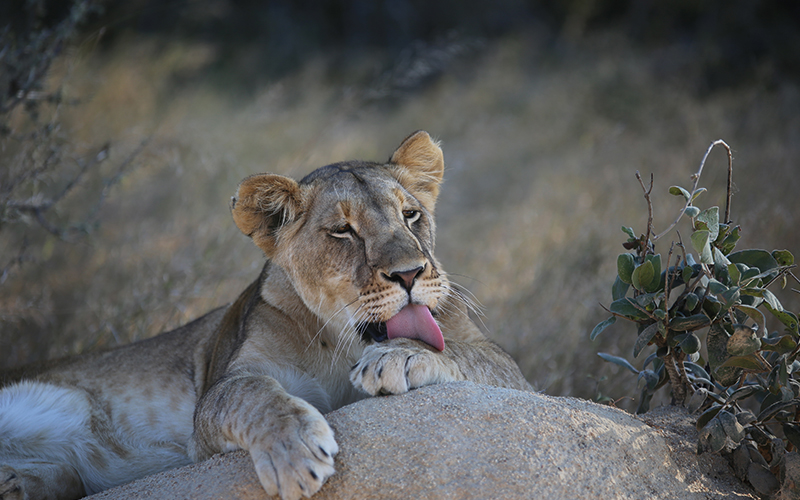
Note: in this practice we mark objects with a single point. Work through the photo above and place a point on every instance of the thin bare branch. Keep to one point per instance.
(696, 179)
(647, 192)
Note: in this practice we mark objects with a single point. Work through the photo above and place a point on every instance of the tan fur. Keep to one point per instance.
(342, 246)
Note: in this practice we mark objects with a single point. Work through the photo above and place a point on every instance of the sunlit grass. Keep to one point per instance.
(541, 148)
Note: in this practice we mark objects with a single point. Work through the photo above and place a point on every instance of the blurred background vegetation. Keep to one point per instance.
(125, 127)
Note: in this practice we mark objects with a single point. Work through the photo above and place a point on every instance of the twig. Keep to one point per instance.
(109, 183)
(683, 248)
(647, 192)
(696, 178)
(727, 219)
(668, 283)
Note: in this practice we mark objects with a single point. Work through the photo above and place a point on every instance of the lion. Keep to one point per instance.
(350, 303)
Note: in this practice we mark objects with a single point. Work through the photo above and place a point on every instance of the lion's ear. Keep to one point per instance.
(262, 205)
(420, 167)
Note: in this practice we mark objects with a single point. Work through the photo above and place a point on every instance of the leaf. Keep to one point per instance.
(689, 323)
(743, 342)
(697, 192)
(679, 191)
(629, 232)
(771, 300)
(691, 301)
(700, 242)
(655, 284)
(751, 273)
(625, 307)
(650, 359)
(717, 435)
(754, 258)
(696, 370)
(686, 273)
(787, 318)
(625, 266)
(762, 480)
(691, 344)
(709, 219)
(723, 232)
(644, 401)
(707, 415)
(781, 345)
(731, 426)
(756, 315)
(646, 300)
(650, 378)
(721, 264)
(774, 408)
(618, 361)
(729, 243)
(745, 417)
(743, 392)
(730, 297)
(746, 362)
(602, 326)
(740, 461)
(783, 257)
(792, 432)
(644, 338)
(717, 347)
(696, 401)
(715, 286)
(619, 289)
(711, 306)
(692, 212)
(734, 274)
(643, 275)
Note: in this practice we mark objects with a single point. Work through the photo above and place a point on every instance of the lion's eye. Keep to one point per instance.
(342, 230)
(411, 215)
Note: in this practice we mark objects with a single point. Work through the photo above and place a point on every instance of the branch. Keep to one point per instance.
(696, 178)
(647, 192)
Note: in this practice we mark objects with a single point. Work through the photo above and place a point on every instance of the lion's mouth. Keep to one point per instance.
(414, 321)
(375, 332)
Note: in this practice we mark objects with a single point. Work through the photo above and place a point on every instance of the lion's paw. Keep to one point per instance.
(10, 484)
(297, 458)
(397, 366)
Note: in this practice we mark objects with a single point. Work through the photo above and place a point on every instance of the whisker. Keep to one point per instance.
(466, 297)
(314, 338)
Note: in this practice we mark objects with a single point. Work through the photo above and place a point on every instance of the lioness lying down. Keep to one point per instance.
(351, 302)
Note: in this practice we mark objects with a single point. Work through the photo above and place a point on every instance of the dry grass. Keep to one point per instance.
(541, 148)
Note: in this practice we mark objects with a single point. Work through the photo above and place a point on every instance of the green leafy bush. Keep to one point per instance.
(742, 381)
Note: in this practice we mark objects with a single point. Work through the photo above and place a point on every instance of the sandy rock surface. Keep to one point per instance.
(466, 441)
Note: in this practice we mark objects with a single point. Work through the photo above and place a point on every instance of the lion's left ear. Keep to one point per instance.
(262, 205)
(420, 167)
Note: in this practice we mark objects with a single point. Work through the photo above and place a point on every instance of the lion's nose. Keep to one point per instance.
(406, 278)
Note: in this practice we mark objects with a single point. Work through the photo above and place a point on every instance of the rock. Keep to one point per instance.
(467, 441)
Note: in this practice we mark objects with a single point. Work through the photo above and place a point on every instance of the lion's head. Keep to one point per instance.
(356, 239)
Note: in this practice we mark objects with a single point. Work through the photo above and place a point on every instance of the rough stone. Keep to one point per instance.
(466, 441)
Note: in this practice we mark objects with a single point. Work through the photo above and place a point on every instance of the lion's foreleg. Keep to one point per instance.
(290, 442)
(484, 362)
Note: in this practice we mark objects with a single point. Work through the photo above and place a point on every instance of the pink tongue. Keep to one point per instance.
(414, 321)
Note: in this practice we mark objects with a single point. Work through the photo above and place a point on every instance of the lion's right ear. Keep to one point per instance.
(420, 167)
(262, 205)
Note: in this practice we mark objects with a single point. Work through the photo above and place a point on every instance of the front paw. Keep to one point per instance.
(399, 365)
(295, 457)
